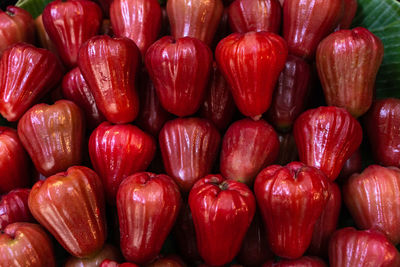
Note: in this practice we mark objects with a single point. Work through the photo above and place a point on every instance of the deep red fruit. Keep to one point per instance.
(108, 252)
(301, 262)
(14, 208)
(350, 10)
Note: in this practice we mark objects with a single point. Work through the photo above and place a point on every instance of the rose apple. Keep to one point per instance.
(169, 261)
(14, 208)
(108, 252)
(350, 10)
(300, 262)
(110, 263)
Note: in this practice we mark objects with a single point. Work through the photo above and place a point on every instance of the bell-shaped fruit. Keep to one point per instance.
(189, 147)
(117, 151)
(307, 22)
(349, 247)
(371, 197)
(356, 56)
(14, 161)
(180, 70)
(194, 18)
(70, 23)
(109, 67)
(247, 147)
(14, 208)
(222, 212)
(27, 73)
(53, 136)
(350, 10)
(251, 64)
(290, 96)
(383, 129)
(16, 25)
(26, 244)
(138, 20)
(255, 15)
(108, 252)
(300, 262)
(154, 200)
(70, 205)
(75, 88)
(291, 199)
(326, 137)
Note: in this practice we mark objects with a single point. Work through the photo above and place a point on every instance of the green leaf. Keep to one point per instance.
(382, 17)
(35, 7)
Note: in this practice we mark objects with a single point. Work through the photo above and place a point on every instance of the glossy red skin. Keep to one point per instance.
(53, 136)
(351, 166)
(185, 235)
(75, 88)
(152, 116)
(189, 147)
(194, 18)
(14, 161)
(148, 205)
(350, 10)
(254, 250)
(110, 263)
(251, 64)
(291, 199)
(138, 20)
(117, 151)
(26, 244)
(27, 73)
(349, 247)
(382, 126)
(372, 198)
(247, 147)
(307, 22)
(70, 205)
(301, 262)
(326, 137)
(255, 15)
(70, 23)
(109, 67)
(356, 56)
(290, 96)
(16, 25)
(169, 261)
(108, 252)
(180, 70)
(222, 212)
(218, 105)
(14, 208)
(43, 37)
(287, 149)
(327, 222)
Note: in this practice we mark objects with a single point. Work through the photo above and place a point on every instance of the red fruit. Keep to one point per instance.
(26, 244)
(110, 263)
(179, 70)
(326, 137)
(301, 262)
(109, 67)
(372, 199)
(189, 148)
(351, 166)
(138, 20)
(255, 15)
(222, 211)
(194, 18)
(349, 247)
(356, 56)
(70, 23)
(44, 39)
(169, 261)
(152, 115)
(117, 151)
(287, 149)
(247, 147)
(16, 25)
(290, 96)
(327, 222)
(251, 64)
(350, 10)
(27, 73)
(14, 208)
(70, 205)
(155, 202)
(307, 22)
(53, 136)
(75, 88)
(218, 105)
(291, 199)
(254, 250)
(383, 128)
(108, 252)
(14, 161)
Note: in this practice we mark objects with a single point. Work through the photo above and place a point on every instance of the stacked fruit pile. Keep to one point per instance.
(116, 126)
